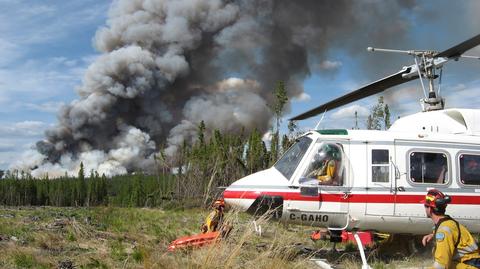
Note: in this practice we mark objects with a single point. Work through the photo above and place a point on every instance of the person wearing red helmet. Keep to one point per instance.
(215, 218)
(455, 247)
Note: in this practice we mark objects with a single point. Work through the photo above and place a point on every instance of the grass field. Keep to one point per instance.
(109, 237)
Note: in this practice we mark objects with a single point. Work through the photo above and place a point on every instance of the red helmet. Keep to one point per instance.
(218, 204)
(436, 200)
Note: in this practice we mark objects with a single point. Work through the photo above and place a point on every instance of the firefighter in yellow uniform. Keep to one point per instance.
(214, 220)
(454, 245)
(327, 171)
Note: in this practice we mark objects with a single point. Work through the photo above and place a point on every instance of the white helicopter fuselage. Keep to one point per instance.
(384, 176)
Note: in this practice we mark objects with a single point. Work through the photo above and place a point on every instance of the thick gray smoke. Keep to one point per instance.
(166, 65)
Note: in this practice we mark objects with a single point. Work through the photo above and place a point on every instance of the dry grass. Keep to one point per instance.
(137, 238)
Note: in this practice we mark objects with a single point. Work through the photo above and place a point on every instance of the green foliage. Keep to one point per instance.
(190, 179)
(125, 191)
(138, 255)
(94, 263)
(117, 251)
(281, 98)
(71, 237)
(274, 150)
(257, 157)
(379, 117)
(22, 260)
(350, 247)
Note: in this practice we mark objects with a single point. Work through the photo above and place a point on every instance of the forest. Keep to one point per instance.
(196, 176)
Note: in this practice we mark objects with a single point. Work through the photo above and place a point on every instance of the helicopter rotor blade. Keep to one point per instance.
(365, 91)
(458, 50)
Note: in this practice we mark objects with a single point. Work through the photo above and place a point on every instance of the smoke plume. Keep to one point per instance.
(166, 65)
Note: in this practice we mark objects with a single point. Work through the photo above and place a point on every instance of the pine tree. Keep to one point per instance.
(286, 143)
(201, 133)
(273, 149)
(379, 117)
(80, 187)
(281, 98)
(255, 152)
(387, 117)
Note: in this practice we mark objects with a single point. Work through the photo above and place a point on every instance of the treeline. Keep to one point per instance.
(195, 176)
(126, 191)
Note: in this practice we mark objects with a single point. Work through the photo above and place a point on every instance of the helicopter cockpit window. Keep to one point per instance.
(428, 167)
(469, 169)
(288, 163)
(326, 166)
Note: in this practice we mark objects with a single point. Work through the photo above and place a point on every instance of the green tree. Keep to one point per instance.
(387, 116)
(286, 143)
(274, 151)
(80, 187)
(281, 98)
(379, 117)
(255, 152)
(201, 133)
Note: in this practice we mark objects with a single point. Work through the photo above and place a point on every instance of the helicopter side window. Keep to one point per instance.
(288, 163)
(428, 167)
(326, 166)
(469, 169)
(380, 165)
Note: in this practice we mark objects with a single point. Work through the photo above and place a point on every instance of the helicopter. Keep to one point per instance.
(379, 177)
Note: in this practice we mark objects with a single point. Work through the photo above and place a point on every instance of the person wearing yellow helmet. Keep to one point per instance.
(455, 247)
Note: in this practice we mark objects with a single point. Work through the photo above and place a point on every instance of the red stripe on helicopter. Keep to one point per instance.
(351, 198)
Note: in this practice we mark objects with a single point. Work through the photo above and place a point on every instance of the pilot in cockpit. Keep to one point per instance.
(325, 165)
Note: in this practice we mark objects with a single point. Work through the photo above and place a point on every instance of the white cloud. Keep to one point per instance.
(330, 65)
(346, 86)
(32, 85)
(23, 129)
(9, 52)
(32, 22)
(6, 147)
(462, 96)
(38, 73)
(349, 112)
(49, 107)
(303, 97)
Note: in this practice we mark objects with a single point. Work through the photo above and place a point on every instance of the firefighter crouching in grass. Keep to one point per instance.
(454, 245)
(214, 220)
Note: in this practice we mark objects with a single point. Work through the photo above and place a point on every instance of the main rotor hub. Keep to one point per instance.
(427, 62)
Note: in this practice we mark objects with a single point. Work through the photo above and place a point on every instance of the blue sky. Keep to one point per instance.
(435, 25)
(46, 46)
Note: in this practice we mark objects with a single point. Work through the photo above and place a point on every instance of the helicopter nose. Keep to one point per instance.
(239, 199)
(257, 193)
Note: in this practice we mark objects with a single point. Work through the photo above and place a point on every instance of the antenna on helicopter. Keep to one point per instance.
(320, 121)
(427, 63)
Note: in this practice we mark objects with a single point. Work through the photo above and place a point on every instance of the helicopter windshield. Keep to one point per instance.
(290, 160)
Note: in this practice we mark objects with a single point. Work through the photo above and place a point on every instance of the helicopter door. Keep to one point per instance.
(334, 196)
(326, 171)
(381, 199)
